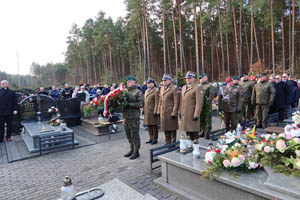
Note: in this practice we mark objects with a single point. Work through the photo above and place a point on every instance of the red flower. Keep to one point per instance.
(53, 109)
(95, 102)
(53, 120)
(244, 131)
(264, 140)
(218, 150)
(298, 125)
(102, 98)
(254, 133)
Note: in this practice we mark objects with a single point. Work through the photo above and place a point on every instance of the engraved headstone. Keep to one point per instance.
(70, 111)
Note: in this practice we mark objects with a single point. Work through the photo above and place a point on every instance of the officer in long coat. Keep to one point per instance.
(168, 108)
(150, 109)
(230, 102)
(190, 106)
(262, 98)
(131, 115)
(8, 108)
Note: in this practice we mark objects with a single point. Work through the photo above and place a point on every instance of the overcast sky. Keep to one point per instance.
(38, 29)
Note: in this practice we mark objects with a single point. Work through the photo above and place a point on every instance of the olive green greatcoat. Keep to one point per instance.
(168, 107)
(150, 107)
(191, 102)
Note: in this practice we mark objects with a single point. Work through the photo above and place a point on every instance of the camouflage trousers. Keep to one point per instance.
(261, 115)
(246, 113)
(132, 127)
(230, 120)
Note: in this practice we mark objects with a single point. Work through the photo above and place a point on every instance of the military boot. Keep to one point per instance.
(129, 153)
(134, 155)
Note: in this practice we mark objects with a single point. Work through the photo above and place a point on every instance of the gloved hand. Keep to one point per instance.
(155, 115)
(238, 110)
(173, 117)
(195, 118)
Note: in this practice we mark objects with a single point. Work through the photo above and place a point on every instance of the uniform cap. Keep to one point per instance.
(130, 78)
(263, 74)
(203, 75)
(236, 78)
(228, 79)
(167, 77)
(190, 75)
(150, 80)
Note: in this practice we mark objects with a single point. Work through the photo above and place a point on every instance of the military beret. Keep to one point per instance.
(150, 80)
(263, 74)
(167, 77)
(228, 79)
(202, 75)
(236, 78)
(259, 75)
(130, 78)
(190, 75)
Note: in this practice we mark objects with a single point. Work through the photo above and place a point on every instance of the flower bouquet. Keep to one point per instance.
(91, 107)
(281, 152)
(230, 154)
(55, 122)
(250, 135)
(53, 110)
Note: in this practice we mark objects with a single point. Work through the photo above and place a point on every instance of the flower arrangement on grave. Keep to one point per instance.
(281, 152)
(114, 100)
(53, 110)
(250, 135)
(54, 122)
(230, 154)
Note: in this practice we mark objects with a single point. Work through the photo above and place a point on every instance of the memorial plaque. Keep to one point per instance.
(30, 106)
(81, 96)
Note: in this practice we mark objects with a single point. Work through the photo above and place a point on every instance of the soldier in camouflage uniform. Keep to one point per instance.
(230, 102)
(209, 92)
(236, 81)
(246, 87)
(131, 115)
(262, 98)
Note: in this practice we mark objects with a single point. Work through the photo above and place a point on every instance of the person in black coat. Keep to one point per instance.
(67, 92)
(281, 97)
(8, 108)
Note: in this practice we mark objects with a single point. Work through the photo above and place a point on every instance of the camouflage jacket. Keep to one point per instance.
(263, 93)
(246, 88)
(208, 90)
(135, 101)
(230, 99)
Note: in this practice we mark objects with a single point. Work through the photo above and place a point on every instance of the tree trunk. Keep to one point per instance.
(180, 35)
(293, 39)
(145, 52)
(283, 45)
(256, 41)
(212, 54)
(175, 39)
(147, 41)
(169, 57)
(110, 61)
(236, 41)
(221, 39)
(164, 41)
(241, 42)
(247, 44)
(202, 45)
(139, 47)
(122, 62)
(263, 46)
(251, 36)
(227, 52)
(290, 34)
(196, 42)
(272, 32)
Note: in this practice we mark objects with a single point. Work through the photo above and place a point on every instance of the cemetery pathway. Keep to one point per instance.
(40, 178)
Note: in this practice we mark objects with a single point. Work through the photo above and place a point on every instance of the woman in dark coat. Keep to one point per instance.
(281, 97)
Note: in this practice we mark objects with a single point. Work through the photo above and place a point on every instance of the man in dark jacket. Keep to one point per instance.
(67, 92)
(8, 108)
(281, 96)
(294, 93)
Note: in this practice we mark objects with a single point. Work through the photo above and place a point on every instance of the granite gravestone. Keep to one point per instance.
(81, 96)
(70, 111)
(30, 106)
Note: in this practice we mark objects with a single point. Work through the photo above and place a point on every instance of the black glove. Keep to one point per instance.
(142, 112)
(173, 117)
(195, 118)
(220, 110)
(155, 115)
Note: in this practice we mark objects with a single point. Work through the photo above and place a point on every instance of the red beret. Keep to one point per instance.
(228, 79)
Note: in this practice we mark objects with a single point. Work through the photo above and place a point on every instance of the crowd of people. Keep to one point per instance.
(239, 99)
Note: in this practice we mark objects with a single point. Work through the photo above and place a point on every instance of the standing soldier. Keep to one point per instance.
(262, 98)
(150, 110)
(230, 102)
(246, 87)
(190, 106)
(131, 115)
(168, 108)
(236, 81)
(209, 93)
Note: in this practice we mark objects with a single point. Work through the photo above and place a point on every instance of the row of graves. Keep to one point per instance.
(43, 122)
(247, 164)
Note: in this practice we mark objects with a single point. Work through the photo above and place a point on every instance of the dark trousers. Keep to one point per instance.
(193, 135)
(153, 132)
(280, 114)
(230, 121)
(170, 137)
(8, 121)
